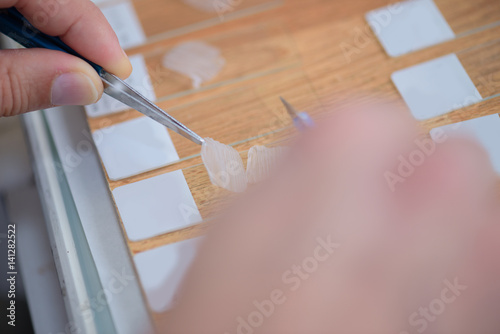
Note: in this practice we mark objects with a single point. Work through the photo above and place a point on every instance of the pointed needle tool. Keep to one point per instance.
(301, 119)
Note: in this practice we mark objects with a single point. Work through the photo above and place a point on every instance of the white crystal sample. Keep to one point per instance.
(261, 161)
(224, 166)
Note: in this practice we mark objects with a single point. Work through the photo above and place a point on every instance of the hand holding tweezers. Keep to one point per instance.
(14, 25)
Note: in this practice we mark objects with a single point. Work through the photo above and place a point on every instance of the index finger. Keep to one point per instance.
(81, 25)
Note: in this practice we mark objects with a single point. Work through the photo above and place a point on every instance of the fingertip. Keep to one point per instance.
(73, 89)
(120, 66)
(93, 76)
(78, 85)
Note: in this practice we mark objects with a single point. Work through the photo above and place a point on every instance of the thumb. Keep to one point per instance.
(33, 79)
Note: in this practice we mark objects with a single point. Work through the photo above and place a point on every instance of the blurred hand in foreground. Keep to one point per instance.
(367, 227)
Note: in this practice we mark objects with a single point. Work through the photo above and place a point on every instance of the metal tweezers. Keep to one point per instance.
(16, 26)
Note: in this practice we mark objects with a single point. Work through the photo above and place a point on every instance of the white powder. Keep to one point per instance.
(261, 161)
(197, 60)
(224, 166)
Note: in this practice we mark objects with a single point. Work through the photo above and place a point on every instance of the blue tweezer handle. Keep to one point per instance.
(14, 25)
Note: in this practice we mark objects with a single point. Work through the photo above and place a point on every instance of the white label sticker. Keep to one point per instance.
(139, 80)
(436, 87)
(162, 271)
(156, 206)
(125, 23)
(486, 130)
(408, 26)
(134, 147)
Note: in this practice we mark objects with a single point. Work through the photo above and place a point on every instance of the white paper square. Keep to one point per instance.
(485, 129)
(408, 26)
(156, 206)
(134, 147)
(139, 80)
(436, 87)
(162, 271)
(125, 23)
